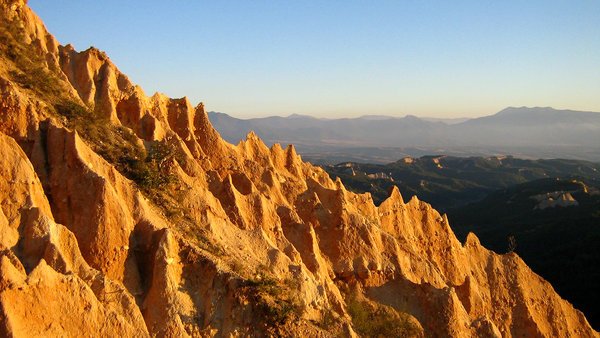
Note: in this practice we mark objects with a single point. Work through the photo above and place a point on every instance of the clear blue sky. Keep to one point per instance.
(347, 58)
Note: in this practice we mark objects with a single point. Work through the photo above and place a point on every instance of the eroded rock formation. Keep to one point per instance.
(214, 239)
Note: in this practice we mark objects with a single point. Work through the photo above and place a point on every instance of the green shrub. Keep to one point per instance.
(328, 319)
(30, 71)
(276, 302)
(120, 147)
(375, 320)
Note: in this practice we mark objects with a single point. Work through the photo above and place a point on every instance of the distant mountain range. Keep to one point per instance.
(526, 132)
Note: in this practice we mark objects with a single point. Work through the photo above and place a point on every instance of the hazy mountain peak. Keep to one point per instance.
(524, 110)
(300, 116)
(376, 117)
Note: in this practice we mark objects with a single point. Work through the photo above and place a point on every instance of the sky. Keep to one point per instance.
(347, 58)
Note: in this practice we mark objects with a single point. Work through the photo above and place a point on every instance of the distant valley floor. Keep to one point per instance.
(330, 154)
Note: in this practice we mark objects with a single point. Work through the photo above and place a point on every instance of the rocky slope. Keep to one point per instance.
(553, 225)
(128, 215)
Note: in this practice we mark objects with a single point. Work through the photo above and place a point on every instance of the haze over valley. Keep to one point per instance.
(521, 132)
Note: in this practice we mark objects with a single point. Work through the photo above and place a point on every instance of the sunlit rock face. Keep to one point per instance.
(225, 240)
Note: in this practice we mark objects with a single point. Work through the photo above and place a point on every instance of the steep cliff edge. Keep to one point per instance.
(124, 214)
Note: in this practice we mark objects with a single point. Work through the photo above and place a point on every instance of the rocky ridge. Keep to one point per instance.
(128, 215)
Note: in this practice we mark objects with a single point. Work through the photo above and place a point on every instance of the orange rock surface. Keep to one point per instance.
(241, 240)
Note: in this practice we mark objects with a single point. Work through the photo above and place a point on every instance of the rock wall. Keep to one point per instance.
(242, 240)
